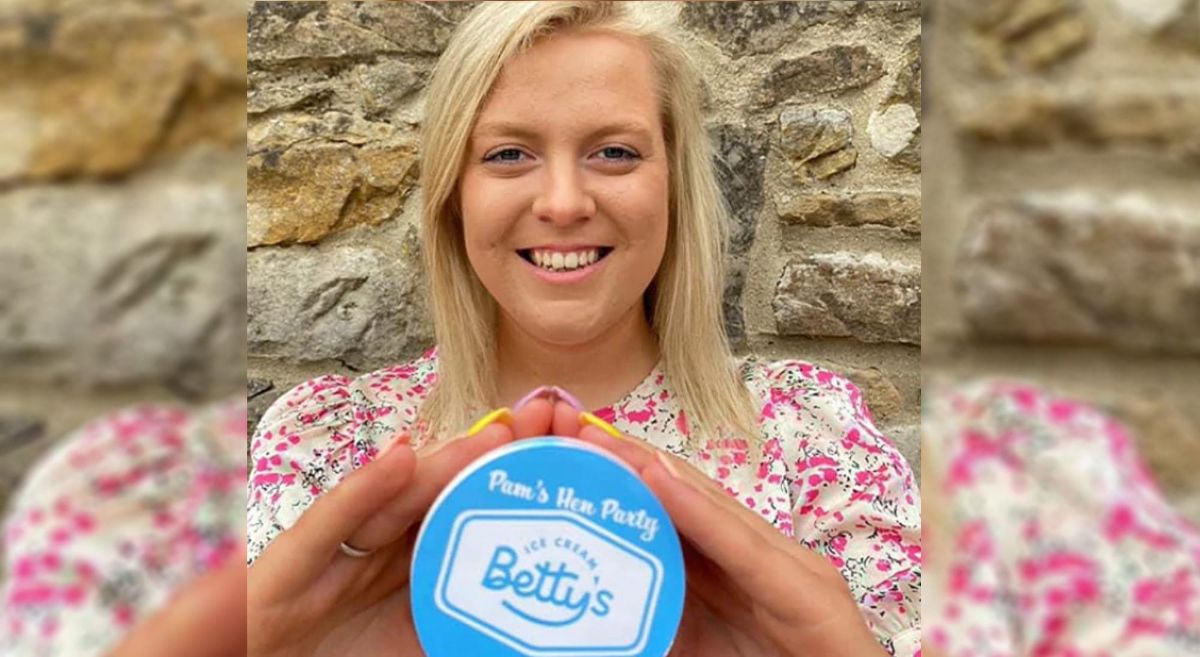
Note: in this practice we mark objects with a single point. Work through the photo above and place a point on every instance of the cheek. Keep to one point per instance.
(483, 226)
(650, 210)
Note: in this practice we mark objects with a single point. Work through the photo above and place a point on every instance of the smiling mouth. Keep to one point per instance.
(564, 261)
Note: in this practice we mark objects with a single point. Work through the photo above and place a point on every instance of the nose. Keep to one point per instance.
(563, 198)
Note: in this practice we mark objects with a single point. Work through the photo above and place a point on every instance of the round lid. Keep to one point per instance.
(548, 547)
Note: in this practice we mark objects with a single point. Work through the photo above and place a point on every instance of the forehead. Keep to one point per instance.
(574, 79)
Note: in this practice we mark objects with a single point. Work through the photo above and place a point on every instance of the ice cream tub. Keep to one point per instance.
(547, 547)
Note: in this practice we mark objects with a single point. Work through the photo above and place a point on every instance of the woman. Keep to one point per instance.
(573, 234)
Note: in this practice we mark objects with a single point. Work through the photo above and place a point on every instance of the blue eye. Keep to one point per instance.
(618, 153)
(504, 155)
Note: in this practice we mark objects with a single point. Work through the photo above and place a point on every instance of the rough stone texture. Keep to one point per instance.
(355, 304)
(1088, 269)
(103, 91)
(906, 88)
(1152, 14)
(888, 209)
(817, 141)
(895, 127)
(1176, 28)
(328, 84)
(907, 439)
(291, 31)
(305, 193)
(1161, 117)
(1168, 440)
(844, 294)
(882, 395)
(1015, 36)
(17, 434)
(831, 70)
(260, 394)
(756, 28)
(895, 134)
(146, 280)
(375, 88)
(741, 155)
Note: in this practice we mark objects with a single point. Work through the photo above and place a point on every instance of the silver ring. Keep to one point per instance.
(351, 551)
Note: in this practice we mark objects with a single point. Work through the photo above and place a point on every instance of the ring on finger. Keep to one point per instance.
(351, 551)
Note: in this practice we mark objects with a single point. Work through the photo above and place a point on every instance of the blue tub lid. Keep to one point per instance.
(549, 547)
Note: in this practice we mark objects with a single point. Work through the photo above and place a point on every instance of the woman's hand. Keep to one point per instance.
(307, 598)
(750, 590)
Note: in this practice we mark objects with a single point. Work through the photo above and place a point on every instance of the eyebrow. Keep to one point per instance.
(515, 129)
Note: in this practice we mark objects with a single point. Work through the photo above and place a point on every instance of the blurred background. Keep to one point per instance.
(1062, 209)
(1061, 253)
(122, 212)
(122, 319)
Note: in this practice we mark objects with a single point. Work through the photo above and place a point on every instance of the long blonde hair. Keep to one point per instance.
(684, 299)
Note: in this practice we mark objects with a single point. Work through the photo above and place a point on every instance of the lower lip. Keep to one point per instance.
(565, 277)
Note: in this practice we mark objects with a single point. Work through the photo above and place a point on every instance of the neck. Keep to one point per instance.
(598, 372)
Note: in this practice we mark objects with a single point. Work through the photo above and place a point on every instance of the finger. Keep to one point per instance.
(434, 470)
(206, 619)
(712, 585)
(303, 551)
(533, 419)
(630, 450)
(566, 420)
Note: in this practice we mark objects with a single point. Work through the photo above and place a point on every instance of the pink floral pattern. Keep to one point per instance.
(829, 478)
(114, 520)
(1057, 542)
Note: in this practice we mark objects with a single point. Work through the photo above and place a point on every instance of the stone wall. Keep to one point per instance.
(1063, 214)
(815, 108)
(122, 210)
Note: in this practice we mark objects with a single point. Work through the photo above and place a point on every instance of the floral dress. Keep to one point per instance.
(828, 477)
(114, 520)
(1050, 538)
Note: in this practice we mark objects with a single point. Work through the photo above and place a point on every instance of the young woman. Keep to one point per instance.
(573, 232)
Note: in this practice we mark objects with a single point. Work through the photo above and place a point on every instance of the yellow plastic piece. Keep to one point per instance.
(588, 418)
(502, 415)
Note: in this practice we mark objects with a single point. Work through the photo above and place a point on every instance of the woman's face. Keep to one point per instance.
(565, 187)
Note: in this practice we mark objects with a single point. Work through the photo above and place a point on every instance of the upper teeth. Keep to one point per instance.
(558, 260)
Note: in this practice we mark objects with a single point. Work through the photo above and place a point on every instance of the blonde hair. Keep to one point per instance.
(684, 300)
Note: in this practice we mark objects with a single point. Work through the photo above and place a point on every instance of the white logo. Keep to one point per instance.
(549, 583)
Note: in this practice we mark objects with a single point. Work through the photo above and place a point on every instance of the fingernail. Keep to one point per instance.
(533, 394)
(568, 397)
(587, 418)
(502, 415)
(666, 463)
